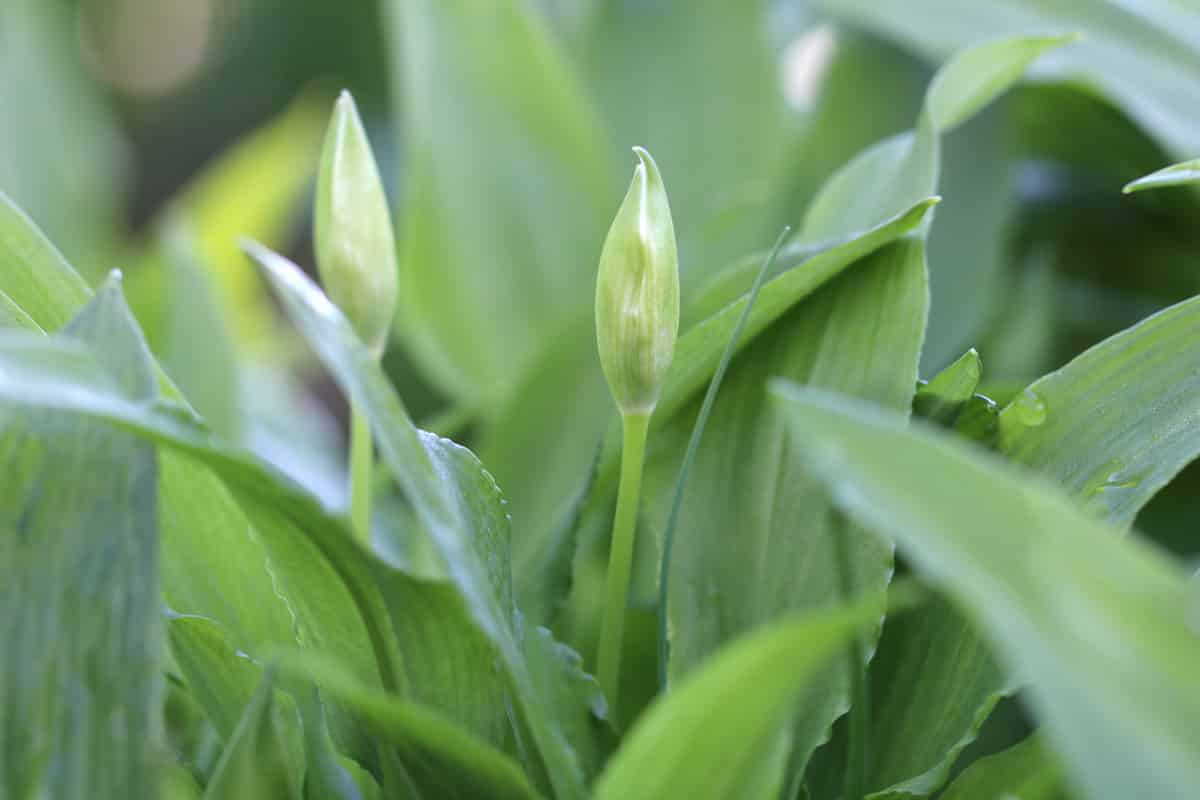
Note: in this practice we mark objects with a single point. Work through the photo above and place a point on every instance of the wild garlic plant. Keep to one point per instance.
(787, 566)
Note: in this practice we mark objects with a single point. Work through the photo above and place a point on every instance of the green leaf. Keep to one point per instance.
(80, 682)
(934, 682)
(443, 758)
(1143, 58)
(35, 276)
(734, 709)
(255, 188)
(745, 477)
(445, 661)
(64, 156)
(509, 183)
(457, 503)
(1026, 771)
(900, 170)
(1118, 422)
(654, 69)
(1096, 623)
(943, 397)
(970, 79)
(1174, 175)
(221, 681)
(213, 564)
(256, 761)
(1128, 400)
(197, 344)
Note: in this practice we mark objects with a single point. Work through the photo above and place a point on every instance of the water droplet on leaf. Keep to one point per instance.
(1030, 408)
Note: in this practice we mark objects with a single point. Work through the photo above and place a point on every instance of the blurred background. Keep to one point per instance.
(150, 134)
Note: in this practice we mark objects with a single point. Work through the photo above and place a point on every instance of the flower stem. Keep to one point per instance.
(620, 559)
(361, 458)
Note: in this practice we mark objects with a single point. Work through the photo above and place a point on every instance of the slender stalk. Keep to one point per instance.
(620, 559)
(361, 458)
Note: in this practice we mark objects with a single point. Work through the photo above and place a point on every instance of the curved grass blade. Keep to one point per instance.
(668, 534)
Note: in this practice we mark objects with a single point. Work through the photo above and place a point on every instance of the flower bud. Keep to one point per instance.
(637, 293)
(355, 245)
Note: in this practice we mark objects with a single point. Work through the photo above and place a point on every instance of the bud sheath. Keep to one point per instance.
(355, 244)
(637, 293)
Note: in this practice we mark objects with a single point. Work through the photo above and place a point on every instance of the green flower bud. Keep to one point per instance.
(637, 293)
(355, 245)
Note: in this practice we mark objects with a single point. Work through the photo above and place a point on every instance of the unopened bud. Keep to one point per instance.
(637, 293)
(355, 244)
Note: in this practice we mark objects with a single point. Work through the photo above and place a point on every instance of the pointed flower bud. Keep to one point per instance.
(637, 293)
(355, 245)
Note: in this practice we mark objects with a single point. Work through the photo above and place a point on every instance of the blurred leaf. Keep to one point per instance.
(1095, 622)
(1025, 771)
(508, 192)
(256, 761)
(13, 317)
(1144, 57)
(943, 397)
(257, 188)
(655, 68)
(442, 757)
(734, 709)
(1174, 175)
(62, 153)
(456, 502)
(197, 348)
(35, 276)
(80, 681)
(212, 563)
(898, 171)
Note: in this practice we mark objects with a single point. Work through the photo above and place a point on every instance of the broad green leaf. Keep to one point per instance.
(1127, 401)
(733, 710)
(36, 278)
(1174, 175)
(221, 682)
(655, 68)
(79, 679)
(1118, 422)
(1026, 771)
(442, 757)
(757, 538)
(256, 761)
(13, 317)
(1143, 57)
(943, 397)
(456, 502)
(213, 563)
(421, 643)
(934, 682)
(1096, 623)
(508, 185)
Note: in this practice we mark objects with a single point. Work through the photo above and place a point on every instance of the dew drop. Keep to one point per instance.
(1030, 408)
